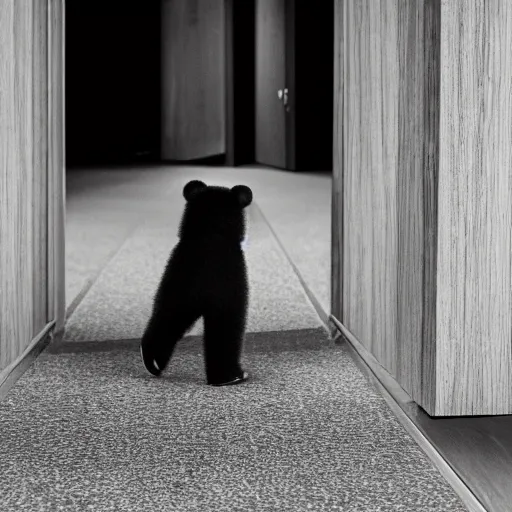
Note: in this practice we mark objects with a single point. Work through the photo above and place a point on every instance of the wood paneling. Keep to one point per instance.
(388, 170)
(23, 176)
(19, 184)
(370, 118)
(424, 390)
(56, 165)
(193, 79)
(39, 170)
(416, 186)
(386, 163)
(474, 308)
(422, 218)
(337, 175)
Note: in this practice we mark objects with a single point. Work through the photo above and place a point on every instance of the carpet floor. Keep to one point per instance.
(86, 429)
(118, 304)
(105, 206)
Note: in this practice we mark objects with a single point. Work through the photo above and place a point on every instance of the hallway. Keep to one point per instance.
(309, 431)
(124, 222)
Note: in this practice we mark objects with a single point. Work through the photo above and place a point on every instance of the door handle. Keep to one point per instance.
(282, 94)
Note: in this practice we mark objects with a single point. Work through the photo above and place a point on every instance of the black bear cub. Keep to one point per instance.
(206, 276)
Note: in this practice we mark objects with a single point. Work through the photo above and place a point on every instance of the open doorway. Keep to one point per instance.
(294, 84)
(161, 92)
(178, 81)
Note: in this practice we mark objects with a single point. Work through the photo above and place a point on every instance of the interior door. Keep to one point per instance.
(193, 79)
(272, 95)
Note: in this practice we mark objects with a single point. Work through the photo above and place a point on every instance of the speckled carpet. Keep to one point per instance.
(86, 429)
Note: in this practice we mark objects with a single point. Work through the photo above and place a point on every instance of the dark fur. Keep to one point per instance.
(206, 276)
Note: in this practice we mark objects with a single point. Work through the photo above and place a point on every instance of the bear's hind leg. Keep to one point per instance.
(165, 328)
(223, 339)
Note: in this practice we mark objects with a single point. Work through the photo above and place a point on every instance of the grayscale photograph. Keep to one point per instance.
(256, 255)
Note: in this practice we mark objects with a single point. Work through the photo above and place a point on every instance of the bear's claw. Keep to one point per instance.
(237, 380)
(150, 364)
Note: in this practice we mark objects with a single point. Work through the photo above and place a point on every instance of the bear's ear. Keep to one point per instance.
(243, 195)
(192, 188)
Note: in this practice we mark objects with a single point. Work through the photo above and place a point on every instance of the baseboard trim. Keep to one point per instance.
(10, 375)
(396, 399)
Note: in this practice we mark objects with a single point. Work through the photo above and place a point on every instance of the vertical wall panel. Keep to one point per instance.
(16, 150)
(370, 156)
(423, 160)
(418, 126)
(56, 164)
(388, 167)
(425, 389)
(39, 124)
(474, 363)
(23, 175)
(338, 161)
(9, 214)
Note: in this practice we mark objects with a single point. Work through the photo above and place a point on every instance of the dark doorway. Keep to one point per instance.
(313, 83)
(294, 62)
(264, 95)
(271, 95)
(112, 81)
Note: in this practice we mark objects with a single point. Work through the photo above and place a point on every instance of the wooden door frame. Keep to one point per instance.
(53, 173)
(290, 118)
(56, 165)
(337, 219)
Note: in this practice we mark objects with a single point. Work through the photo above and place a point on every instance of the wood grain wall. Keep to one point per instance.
(193, 79)
(389, 167)
(422, 227)
(474, 278)
(24, 192)
(56, 164)
(337, 210)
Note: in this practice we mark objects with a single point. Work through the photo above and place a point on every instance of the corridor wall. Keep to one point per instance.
(422, 189)
(31, 175)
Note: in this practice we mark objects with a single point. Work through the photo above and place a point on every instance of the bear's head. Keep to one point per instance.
(217, 211)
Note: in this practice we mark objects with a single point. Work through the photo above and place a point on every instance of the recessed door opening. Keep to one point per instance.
(194, 85)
